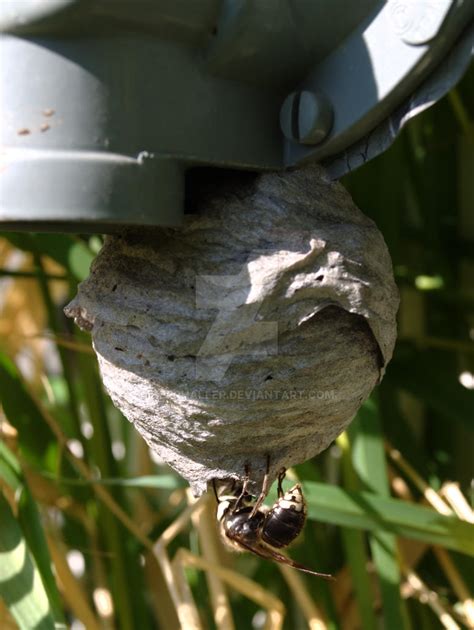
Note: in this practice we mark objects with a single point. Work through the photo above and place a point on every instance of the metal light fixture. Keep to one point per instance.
(107, 105)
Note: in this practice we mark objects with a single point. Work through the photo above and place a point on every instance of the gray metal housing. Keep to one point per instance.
(106, 105)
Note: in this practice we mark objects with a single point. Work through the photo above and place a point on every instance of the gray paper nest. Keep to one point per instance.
(257, 328)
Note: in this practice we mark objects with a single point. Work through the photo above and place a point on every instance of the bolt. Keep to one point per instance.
(306, 117)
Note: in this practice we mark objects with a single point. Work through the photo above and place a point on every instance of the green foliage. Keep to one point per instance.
(28, 519)
(366, 510)
(21, 586)
(71, 454)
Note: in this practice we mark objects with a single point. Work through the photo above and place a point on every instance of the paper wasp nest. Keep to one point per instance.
(257, 328)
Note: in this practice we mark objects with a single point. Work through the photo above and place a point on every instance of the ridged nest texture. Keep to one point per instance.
(258, 328)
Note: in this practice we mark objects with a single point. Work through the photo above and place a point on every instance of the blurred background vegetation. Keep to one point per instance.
(83, 502)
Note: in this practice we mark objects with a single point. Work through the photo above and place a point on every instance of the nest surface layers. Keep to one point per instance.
(258, 328)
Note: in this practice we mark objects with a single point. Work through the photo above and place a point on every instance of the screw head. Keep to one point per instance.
(306, 117)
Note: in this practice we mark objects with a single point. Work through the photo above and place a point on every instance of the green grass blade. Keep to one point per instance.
(355, 547)
(355, 552)
(368, 457)
(10, 470)
(158, 482)
(9, 459)
(37, 442)
(365, 510)
(124, 567)
(21, 586)
(384, 553)
(30, 522)
(64, 354)
(35, 437)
